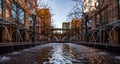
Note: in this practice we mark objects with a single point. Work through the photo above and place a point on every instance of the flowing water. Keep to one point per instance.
(60, 53)
(8, 34)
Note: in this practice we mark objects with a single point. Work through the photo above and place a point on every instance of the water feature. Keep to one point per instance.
(19, 37)
(82, 37)
(113, 29)
(64, 38)
(9, 37)
(58, 56)
(60, 53)
(100, 36)
(73, 38)
(55, 38)
(110, 34)
(4, 58)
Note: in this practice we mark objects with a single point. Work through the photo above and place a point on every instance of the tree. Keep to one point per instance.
(77, 9)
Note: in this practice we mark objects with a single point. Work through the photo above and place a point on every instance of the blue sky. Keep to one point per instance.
(60, 10)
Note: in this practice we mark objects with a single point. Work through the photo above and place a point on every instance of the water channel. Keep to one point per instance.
(60, 53)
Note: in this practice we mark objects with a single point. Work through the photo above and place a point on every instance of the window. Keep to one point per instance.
(30, 5)
(89, 23)
(17, 14)
(97, 20)
(0, 3)
(66, 26)
(0, 8)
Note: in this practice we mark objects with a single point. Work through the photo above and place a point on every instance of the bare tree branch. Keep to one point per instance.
(76, 11)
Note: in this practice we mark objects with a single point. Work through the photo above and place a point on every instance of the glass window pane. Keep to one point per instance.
(17, 13)
(0, 8)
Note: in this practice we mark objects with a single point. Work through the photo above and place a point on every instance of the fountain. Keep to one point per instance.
(94, 35)
(110, 33)
(58, 56)
(55, 38)
(9, 37)
(63, 39)
(18, 37)
(100, 35)
(73, 38)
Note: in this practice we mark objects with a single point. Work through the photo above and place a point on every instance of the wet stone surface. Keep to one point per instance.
(58, 53)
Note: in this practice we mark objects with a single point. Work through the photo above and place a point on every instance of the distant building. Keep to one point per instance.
(66, 25)
(76, 26)
(75, 23)
(45, 21)
(45, 16)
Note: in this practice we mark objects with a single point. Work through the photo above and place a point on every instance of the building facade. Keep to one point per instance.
(89, 5)
(76, 26)
(105, 22)
(66, 25)
(45, 23)
(15, 19)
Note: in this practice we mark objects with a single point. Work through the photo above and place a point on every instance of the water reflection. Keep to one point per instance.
(57, 53)
(58, 56)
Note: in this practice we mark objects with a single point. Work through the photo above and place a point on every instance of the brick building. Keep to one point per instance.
(66, 25)
(15, 16)
(105, 22)
(76, 26)
(45, 23)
